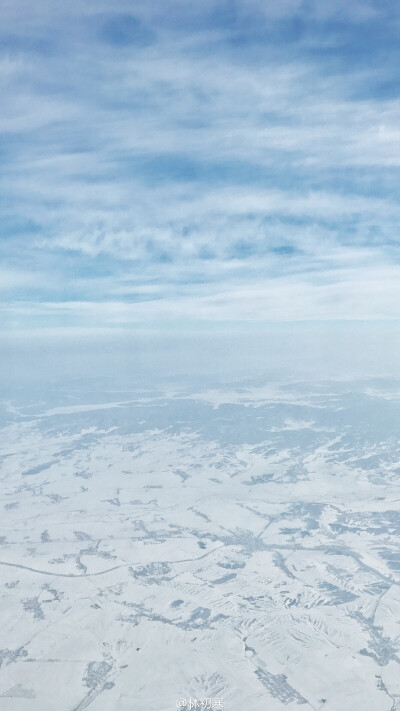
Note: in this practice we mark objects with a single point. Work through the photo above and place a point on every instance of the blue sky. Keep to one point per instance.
(180, 165)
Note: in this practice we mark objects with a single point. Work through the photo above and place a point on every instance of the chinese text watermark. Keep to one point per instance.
(194, 703)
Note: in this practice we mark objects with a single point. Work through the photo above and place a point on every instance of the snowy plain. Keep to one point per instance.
(236, 542)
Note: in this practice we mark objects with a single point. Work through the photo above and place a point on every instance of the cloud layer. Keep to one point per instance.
(173, 162)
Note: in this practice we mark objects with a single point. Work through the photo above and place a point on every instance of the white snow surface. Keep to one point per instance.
(238, 544)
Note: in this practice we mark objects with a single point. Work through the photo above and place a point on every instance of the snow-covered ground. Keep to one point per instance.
(230, 546)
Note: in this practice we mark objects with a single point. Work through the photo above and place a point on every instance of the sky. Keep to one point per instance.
(181, 166)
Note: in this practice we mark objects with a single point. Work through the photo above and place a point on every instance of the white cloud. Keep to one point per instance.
(183, 161)
(14, 279)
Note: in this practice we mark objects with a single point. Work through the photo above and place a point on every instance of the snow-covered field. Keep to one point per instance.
(236, 547)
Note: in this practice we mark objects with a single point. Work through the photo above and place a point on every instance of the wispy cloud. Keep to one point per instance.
(215, 161)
